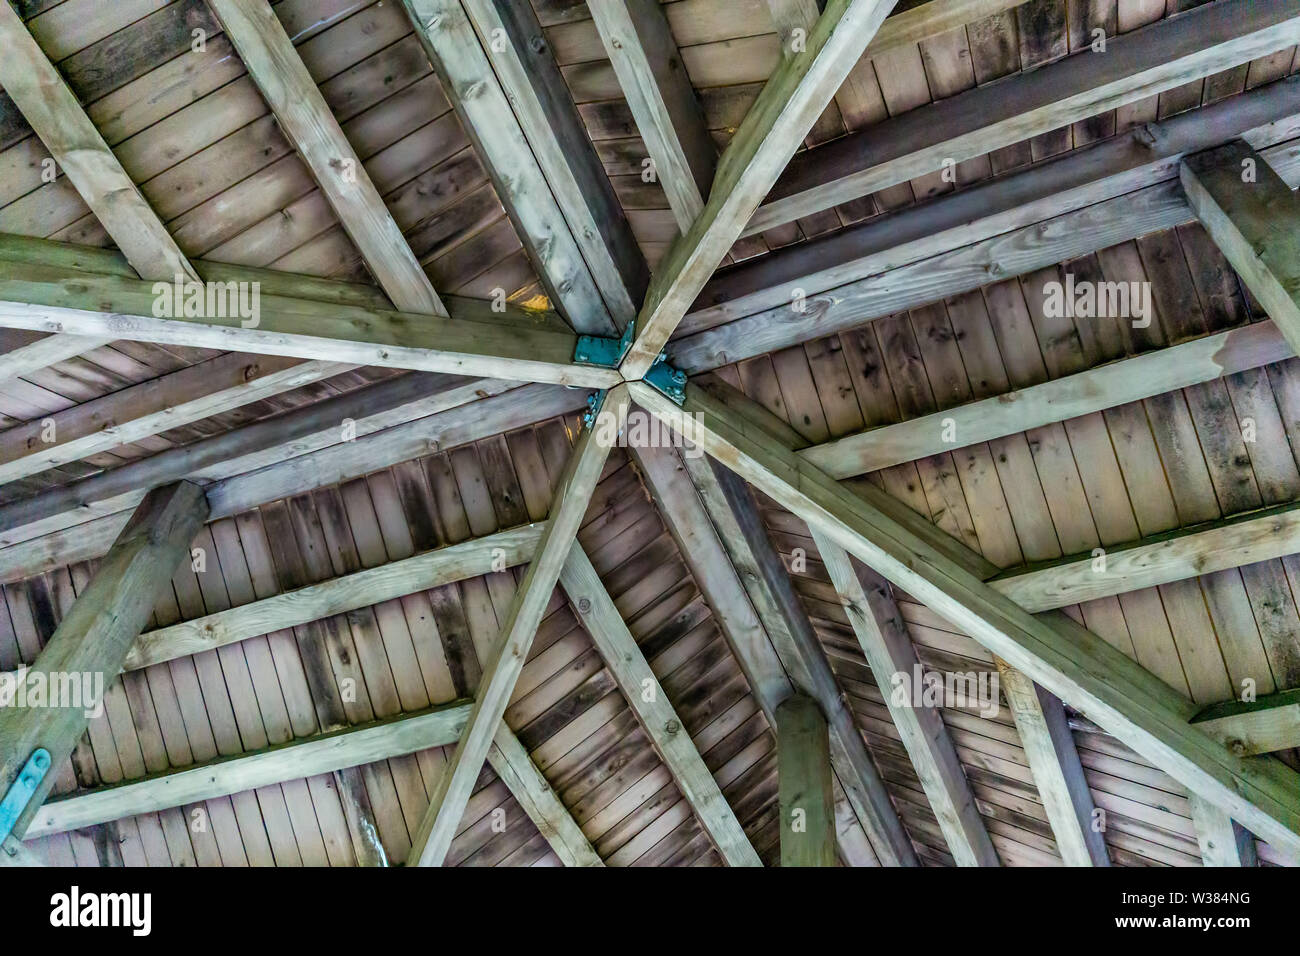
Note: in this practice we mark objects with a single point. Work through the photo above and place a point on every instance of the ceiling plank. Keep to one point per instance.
(307, 122)
(885, 642)
(1161, 56)
(94, 636)
(431, 841)
(641, 688)
(1051, 649)
(43, 353)
(1054, 762)
(785, 110)
(668, 116)
(1252, 215)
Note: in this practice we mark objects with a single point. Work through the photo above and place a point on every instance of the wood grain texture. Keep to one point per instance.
(804, 761)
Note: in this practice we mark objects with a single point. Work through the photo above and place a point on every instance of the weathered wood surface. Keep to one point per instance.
(804, 758)
(1159, 57)
(1223, 841)
(1252, 215)
(306, 119)
(324, 753)
(1262, 726)
(93, 639)
(447, 804)
(888, 648)
(1052, 649)
(646, 696)
(790, 102)
(1058, 774)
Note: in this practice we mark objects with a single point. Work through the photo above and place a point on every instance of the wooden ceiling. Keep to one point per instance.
(893, 282)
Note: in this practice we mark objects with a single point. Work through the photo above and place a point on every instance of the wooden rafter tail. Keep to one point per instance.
(785, 110)
(641, 688)
(1261, 793)
(1144, 62)
(447, 804)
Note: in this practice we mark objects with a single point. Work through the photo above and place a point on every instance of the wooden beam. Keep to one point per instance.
(688, 522)
(1223, 841)
(38, 90)
(243, 449)
(44, 352)
(1261, 726)
(409, 430)
(472, 342)
(888, 649)
(735, 515)
(396, 579)
(1252, 215)
(1054, 651)
(1048, 242)
(1054, 762)
(486, 112)
(447, 803)
(668, 116)
(1071, 396)
(1143, 156)
(140, 411)
(1173, 556)
(324, 753)
(804, 781)
(532, 792)
(307, 122)
(644, 694)
(555, 131)
(1144, 62)
(93, 638)
(785, 110)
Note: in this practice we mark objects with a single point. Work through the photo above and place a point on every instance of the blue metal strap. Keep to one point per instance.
(20, 794)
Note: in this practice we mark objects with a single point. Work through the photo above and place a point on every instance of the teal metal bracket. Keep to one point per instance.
(594, 401)
(662, 377)
(605, 352)
(20, 794)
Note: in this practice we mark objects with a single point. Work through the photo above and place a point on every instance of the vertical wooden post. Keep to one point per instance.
(803, 754)
(1223, 841)
(88, 648)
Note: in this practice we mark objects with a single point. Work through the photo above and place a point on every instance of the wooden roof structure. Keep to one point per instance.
(970, 325)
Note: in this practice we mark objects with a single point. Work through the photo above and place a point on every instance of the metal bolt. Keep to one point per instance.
(584, 606)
